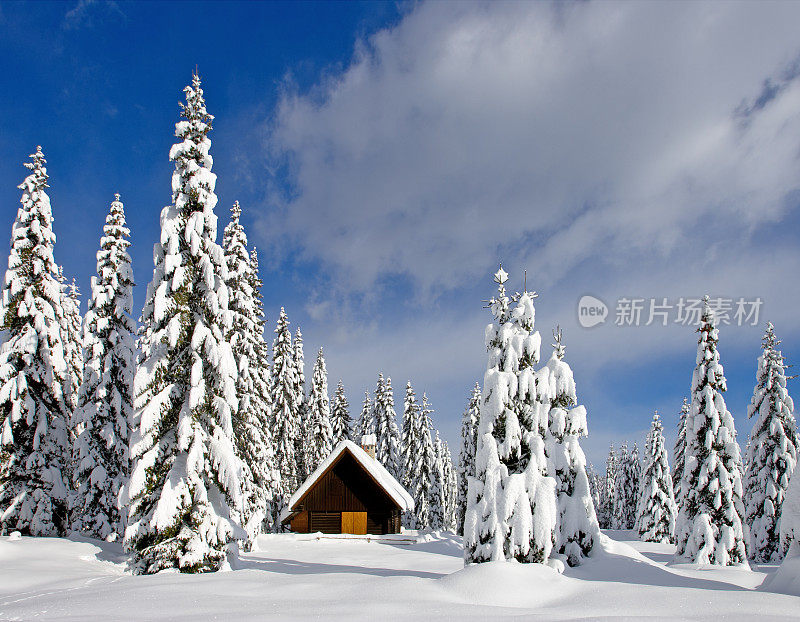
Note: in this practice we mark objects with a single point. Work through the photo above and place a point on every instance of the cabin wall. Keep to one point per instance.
(346, 487)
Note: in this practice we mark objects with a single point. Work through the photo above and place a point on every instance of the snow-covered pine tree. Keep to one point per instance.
(260, 399)
(511, 512)
(772, 452)
(438, 496)
(679, 452)
(451, 488)
(303, 420)
(418, 458)
(387, 449)
(320, 441)
(73, 349)
(366, 421)
(577, 531)
(466, 456)
(709, 527)
(34, 435)
(605, 515)
(285, 407)
(656, 511)
(251, 423)
(595, 489)
(105, 402)
(185, 486)
(340, 416)
(621, 488)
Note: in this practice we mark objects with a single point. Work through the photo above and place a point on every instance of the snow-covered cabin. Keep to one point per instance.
(350, 492)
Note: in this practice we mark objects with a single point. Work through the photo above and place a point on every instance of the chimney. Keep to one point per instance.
(368, 442)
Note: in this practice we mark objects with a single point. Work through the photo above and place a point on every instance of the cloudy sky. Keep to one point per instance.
(390, 156)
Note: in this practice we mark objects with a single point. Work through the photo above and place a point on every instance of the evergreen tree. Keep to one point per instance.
(656, 511)
(320, 442)
(73, 349)
(577, 530)
(105, 403)
(709, 528)
(185, 487)
(450, 487)
(595, 490)
(772, 452)
(680, 449)
(340, 416)
(387, 449)
(267, 470)
(251, 424)
(466, 457)
(438, 498)
(285, 407)
(511, 512)
(34, 436)
(303, 420)
(605, 515)
(366, 421)
(622, 489)
(418, 457)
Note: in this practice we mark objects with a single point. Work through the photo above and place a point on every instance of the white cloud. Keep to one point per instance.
(549, 133)
(609, 148)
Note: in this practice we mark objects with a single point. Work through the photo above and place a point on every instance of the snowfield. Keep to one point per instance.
(386, 578)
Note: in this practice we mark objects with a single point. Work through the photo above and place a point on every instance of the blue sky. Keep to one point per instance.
(388, 156)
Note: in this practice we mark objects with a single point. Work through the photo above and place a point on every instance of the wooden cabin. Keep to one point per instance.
(350, 492)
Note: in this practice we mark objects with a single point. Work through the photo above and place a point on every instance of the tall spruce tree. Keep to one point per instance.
(450, 488)
(466, 456)
(387, 449)
(511, 513)
(340, 416)
(303, 420)
(709, 528)
(622, 491)
(73, 349)
(772, 452)
(418, 457)
(366, 421)
(438, 498)
(320, 440)
(105, 402)
(656, 510)
(185, 487)
(605, 515)
(285, 408)
(251, 425)
(680, 452)
(578, 531)
(34, 437)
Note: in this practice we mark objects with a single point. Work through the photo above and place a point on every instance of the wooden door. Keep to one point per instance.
(354, 522)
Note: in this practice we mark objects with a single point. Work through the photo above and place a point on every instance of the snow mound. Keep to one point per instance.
(14, 536)
(510, 584)
(786, 579)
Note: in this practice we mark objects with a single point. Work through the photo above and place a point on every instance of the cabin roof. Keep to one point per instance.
(375, 469)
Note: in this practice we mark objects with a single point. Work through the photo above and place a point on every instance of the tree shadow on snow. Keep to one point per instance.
(607, 566)
(292, 566)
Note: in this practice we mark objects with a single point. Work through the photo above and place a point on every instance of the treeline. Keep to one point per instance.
(718, 506)
(178, 435)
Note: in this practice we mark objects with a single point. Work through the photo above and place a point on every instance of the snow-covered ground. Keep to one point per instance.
(386, 579)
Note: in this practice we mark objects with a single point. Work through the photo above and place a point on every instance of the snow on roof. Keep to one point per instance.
(378, 472)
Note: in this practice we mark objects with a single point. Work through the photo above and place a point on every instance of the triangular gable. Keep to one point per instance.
(377, 472)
